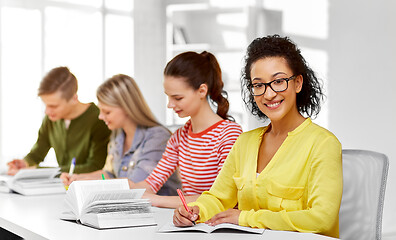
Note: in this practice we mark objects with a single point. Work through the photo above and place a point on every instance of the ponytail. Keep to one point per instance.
(217, 94)
(198, 69)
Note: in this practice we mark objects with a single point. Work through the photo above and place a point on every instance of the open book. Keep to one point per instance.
(4, 179)
(203, 227)
(107, 204)
(33, 182)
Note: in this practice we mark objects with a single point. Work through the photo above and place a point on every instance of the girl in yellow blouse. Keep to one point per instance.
(284, 176)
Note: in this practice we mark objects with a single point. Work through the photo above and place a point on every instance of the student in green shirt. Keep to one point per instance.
(71, 127)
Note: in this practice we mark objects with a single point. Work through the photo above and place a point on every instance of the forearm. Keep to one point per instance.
(93, 175)
(35, 156)
(90, 166)
(142, 184)
(41, 147)
(170, 201)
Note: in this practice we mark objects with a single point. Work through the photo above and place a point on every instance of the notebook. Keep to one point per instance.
(203, 227)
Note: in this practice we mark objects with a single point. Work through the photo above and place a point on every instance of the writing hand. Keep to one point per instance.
(65, 178)
(182, 217)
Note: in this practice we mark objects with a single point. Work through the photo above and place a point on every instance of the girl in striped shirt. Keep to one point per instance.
(192, 81)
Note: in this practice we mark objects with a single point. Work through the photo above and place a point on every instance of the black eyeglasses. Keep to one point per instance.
(277, 85)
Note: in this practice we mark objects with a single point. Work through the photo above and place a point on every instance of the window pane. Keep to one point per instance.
(21, 109)
(93, 3)
(122, 5)
(119, 45)
(319, 61)
(74, 38)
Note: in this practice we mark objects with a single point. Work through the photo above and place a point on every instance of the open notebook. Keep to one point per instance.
(203, 227)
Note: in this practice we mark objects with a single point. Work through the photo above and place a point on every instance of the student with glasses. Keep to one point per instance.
(284, 176)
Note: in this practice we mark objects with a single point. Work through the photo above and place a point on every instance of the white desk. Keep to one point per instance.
(37, 217)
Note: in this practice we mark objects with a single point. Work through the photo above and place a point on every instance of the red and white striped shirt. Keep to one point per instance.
(199, 156)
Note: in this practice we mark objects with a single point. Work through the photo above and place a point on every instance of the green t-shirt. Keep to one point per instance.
(86, 140)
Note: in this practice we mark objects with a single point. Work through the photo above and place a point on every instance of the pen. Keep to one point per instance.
(103, 176)
(184, 202)
(72, 165)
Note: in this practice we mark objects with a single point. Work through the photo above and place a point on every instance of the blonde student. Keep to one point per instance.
(137, 140)
(192, 81)
(284, 176)
(70, 127)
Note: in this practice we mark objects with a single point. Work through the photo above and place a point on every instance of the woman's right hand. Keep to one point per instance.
(183, 218)
(67, 179)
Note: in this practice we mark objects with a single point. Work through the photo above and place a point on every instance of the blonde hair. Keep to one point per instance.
(122, 91)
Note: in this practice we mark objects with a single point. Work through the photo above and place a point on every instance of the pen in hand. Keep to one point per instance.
(71, 170)
(72, 165)
(184, 202)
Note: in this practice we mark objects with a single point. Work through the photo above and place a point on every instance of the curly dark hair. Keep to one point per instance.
(311, 94)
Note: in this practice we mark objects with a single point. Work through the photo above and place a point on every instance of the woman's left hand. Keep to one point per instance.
(154, 198)
(228, 216)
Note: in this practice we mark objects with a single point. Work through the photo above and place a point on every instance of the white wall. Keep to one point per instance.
(150, 53)
(362, 81)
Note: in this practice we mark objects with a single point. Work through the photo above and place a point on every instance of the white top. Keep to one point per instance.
(67, 123)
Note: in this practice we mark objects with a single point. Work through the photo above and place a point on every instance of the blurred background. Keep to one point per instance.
(350, 45)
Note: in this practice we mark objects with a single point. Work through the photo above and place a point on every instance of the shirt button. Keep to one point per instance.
(124, 168)
(131, 164)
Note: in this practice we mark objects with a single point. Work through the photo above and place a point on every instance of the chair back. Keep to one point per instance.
(364, 173)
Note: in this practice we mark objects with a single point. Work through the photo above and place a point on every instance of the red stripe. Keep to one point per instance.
(199, 158)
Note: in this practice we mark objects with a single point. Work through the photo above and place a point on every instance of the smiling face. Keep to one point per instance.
(57, 107)
(114, 117)
(276, 105)
(182, 98)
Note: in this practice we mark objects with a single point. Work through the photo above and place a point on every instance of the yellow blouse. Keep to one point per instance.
(299, 190)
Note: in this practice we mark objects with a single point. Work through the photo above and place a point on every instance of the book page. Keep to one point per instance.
(132, 207)
(36, 173)
(117, 219)
(4, 179)
(108, 197)
(39, 183)
(80, 191)
(36, 181)
(115, 195)
(240, 228)
(203, 227)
